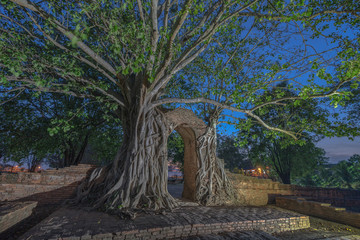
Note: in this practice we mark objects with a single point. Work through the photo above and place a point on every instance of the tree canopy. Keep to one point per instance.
(50, 127)
(130, 57)
(101, 49)
(234, 157)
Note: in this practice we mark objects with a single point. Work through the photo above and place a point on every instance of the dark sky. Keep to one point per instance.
(338, 149)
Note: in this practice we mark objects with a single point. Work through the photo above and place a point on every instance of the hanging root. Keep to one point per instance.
(212, 184)
(137, 180)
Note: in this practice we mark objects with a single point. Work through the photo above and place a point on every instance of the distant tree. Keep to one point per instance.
(287, 162)
(104, 142)
(287, 158)
(29, 132)
(32, 162)
(352, 110)
(23, 135)
(233, 156)
(354, 168)
(342, 175)
(345, 174)
(176, 148)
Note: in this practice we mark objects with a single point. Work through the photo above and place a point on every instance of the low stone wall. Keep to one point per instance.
(20, 185)
(252, 191)
(12, 213)
(318, 209)
(338, 197)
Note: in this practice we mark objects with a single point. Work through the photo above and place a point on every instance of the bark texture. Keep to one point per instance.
(137, 179)
(74, 153)
(212, 184)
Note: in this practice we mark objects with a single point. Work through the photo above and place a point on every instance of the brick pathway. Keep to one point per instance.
(185, 221)
(248, 235)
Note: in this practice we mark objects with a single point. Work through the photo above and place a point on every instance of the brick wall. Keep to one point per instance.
(253, 191)
(22, 185)
(318, 209)
(257, 192)
(11, 213)
(335, 196)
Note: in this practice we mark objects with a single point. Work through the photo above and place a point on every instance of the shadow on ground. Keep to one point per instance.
(48, 202)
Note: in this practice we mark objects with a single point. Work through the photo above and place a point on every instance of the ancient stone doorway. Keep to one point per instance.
(190, 127)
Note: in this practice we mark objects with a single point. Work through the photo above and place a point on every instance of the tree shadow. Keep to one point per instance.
(48, 202)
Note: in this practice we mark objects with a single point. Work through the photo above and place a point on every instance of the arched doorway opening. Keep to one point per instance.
(175, 148)
(189, 127)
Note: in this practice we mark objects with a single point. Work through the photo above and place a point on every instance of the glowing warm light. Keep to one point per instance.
(257, 172)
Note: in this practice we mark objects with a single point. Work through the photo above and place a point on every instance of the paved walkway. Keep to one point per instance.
(185, 221)
(248, 235)
(176, 189)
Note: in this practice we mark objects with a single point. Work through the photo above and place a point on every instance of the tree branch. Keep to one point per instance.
(277, 101)
(12, 98)
(195, 100)
(67, 33)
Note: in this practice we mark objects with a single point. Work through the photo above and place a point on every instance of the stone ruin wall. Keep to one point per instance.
(23, 184)
(319, 209)
(250, 191)
(190, 128)
(257, 192)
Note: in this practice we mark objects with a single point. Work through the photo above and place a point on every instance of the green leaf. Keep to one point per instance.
(74, 41)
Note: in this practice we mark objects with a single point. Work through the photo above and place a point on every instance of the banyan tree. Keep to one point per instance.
(129, 56)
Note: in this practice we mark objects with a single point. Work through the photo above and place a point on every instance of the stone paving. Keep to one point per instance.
(73, 223)
(249, 235)
(260, 235)
(176, 190)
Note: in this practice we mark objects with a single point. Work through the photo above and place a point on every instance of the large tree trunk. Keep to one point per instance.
(285, 177)
(33, 163)
(137, 179)
(73, 154)
(212, 184)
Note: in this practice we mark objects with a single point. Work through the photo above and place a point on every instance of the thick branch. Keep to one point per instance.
(80, 58)
(12, 98)
(170, 49)
(277, 101)
(195, 100)
(67, 33)
(259, 120)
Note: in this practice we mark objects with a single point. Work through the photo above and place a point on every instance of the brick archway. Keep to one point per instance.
(190, 127)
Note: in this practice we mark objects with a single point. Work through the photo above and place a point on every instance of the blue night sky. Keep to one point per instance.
(338, 149)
